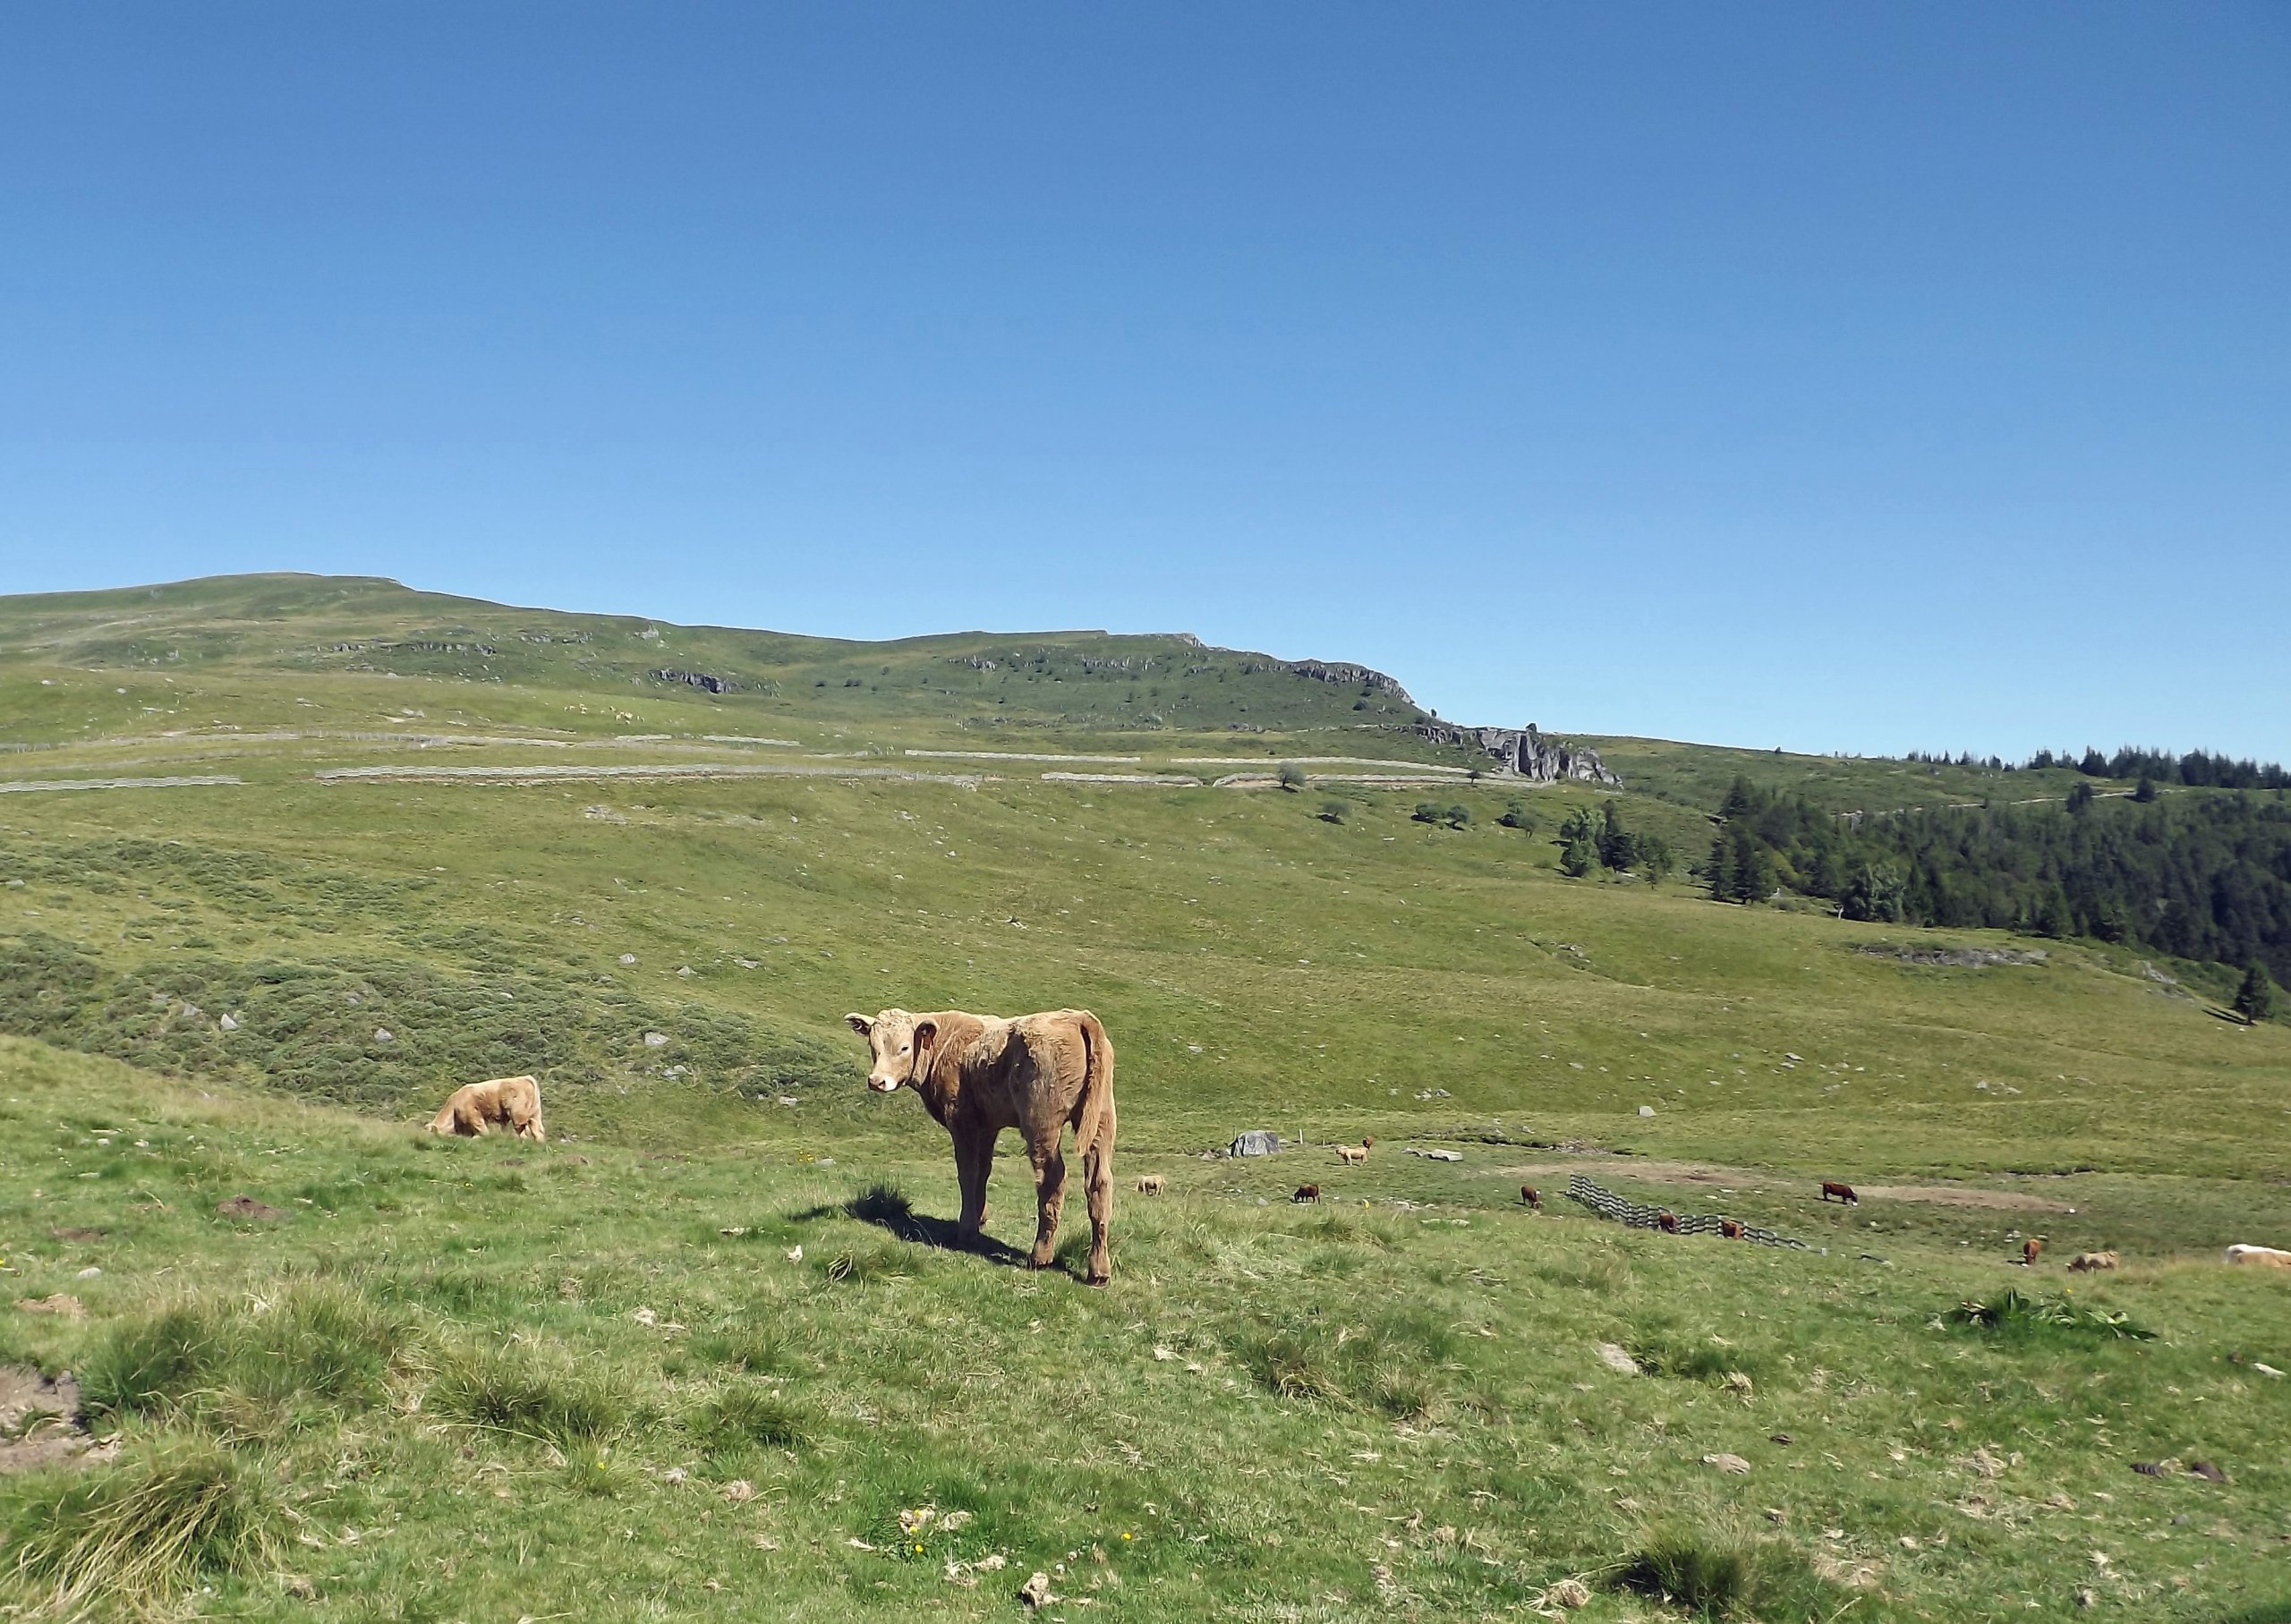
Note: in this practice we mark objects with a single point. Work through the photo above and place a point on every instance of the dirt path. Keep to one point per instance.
(31, 785)
(1652, 1172)
(672, 769)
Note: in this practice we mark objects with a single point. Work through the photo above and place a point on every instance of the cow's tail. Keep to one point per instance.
(1093, 1111)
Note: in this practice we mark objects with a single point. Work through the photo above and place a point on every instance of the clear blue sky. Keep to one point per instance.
(1857, 377)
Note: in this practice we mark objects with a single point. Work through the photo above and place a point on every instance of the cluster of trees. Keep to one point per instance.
(2204, 877)
(2196, 769)
(1586, 842)
(1432, 811)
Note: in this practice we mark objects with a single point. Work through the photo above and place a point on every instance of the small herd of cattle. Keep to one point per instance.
(1041, 1074)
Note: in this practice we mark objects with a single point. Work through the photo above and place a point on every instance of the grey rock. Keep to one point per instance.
(1256, 1142)
(1526, 751)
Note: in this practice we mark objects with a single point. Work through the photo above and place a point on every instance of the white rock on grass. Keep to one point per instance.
(1617, 1360)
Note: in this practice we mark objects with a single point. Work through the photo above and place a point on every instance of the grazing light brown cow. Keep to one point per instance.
(980, 1073)
(1730, 1228)
(1843, 1193)
(2266, 1257)
(1151, 1183)
(514, 1102)
(2085, 1263)
(1352, 1155)
(1306, 1192)
(1530, 1197)
(2029, 1251)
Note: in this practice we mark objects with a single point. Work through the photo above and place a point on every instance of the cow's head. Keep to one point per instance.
(902, 1047)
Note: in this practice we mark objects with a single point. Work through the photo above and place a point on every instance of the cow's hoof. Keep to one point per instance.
(1098, 1277)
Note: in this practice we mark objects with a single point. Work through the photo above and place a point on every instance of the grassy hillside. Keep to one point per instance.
(391, 869)
(235, 641)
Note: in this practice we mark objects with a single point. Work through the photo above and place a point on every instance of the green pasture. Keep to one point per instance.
(493, 1379)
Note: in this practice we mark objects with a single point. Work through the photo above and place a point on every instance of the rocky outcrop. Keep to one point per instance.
(1526, 751)
(1346, 676)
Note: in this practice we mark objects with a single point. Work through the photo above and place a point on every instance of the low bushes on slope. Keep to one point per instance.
(318, 1028)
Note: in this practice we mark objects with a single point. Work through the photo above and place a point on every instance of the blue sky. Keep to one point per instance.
(1860, 377)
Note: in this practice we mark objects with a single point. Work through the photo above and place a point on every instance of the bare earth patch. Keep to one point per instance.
(40, 1424)
(1652, 1172)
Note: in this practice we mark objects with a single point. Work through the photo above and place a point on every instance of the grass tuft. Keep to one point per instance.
(527, 1394)
(858, 1265)
(1724, 1573)
(134, 1537)
(756, 1349)
(882, 1204)
(1387, 1366)
(741, 1417)
(312, 1339)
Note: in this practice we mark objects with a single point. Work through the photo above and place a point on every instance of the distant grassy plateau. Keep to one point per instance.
(286, 859)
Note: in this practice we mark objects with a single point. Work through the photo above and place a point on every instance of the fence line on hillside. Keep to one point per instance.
(1638, 1215)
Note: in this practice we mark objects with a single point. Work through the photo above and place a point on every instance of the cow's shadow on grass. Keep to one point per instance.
(887, 1207)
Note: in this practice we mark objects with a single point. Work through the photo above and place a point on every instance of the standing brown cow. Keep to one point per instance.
(980, 1073)
(1843, 1193)
(1530, 1197)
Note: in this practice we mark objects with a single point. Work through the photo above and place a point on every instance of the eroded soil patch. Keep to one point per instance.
(40, 1422)
(1647, 1169)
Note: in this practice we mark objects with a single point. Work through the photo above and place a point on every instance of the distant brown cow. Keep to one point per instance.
(980, 1073)
(1731, 1228)
(1530, 1197)
(2085, 1263)
(1306, 1192)
(2030, 1249)
(1151, 1183)
(514, 1102)
(1842, 1192)
(1667, 1222)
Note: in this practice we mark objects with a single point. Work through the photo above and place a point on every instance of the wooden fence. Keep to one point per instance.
(1606, 1203)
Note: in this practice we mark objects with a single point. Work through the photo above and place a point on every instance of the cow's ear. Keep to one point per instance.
(861, 1025)
(926, 1033)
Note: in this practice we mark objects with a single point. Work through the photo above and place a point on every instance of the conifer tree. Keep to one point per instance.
(2256, 999)
(1718, 872)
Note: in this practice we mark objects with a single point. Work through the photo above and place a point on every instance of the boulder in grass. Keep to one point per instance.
(1256, 1142)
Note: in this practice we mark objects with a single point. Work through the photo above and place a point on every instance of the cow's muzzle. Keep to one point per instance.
(883, 1086)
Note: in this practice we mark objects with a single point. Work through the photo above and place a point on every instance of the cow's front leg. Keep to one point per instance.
(1050, 1200)
(973, 1160)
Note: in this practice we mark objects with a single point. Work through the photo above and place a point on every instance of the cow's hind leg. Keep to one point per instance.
(1050, 1200)
(973, 1160)
(1097, 1188)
